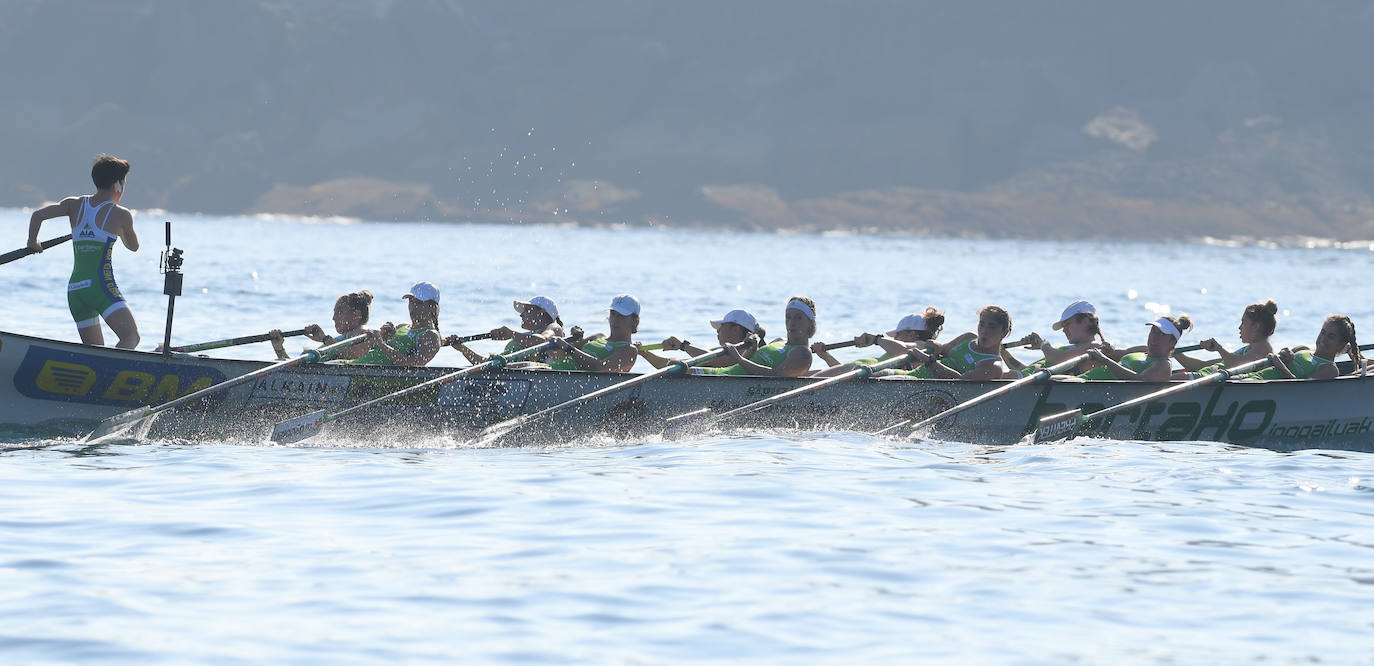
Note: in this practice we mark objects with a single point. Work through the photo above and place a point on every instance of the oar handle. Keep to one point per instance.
(234, 342)
(464, 339)
(26, 251)
(847, 343)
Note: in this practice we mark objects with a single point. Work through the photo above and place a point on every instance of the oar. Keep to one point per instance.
(1038, 376)
(464, 339)
(703, 416)
(132, 417)
(25, 251)
(234, 342)
(306, 426)
(501, 429)
(1065, 425)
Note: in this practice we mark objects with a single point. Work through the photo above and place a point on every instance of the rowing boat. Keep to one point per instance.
(55, 387)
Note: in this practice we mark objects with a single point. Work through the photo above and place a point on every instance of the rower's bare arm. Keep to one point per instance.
(989, 369)
(47, 212)
(620, 360)
(894, 347)
(659, 362)
(1192, 364)
(818, 348)
(425, 348)
(943, 348)
(126, 228)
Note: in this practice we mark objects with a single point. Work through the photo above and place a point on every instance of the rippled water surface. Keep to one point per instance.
(757, 547)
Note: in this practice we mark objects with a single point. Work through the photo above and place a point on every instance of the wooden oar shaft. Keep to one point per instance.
(234, 342)
(25, 251)
(857, 373)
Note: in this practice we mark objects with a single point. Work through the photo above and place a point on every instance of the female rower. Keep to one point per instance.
(539, 321)
(609, 353)
(412, 345)
(1336, 337)
(351, 311)
(914, 329)
(790, 358)
(737, 327)
(1151, 365)
(1256, 325)
(1080, 325)
(973, 357)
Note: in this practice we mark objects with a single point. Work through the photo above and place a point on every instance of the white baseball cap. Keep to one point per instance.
(911, 322)
(625, 304)
(1075, 308)
(542, 302)
(741, 317)
(1167, 327)
(423, 291)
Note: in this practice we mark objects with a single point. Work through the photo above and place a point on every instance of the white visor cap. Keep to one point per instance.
(1166, 326)
(625, 304)
(911, 322)
(741, 317)
(1075, 308)
(542, 302)
(423, 291)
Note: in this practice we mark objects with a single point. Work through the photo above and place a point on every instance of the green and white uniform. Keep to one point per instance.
(1218, 367)
(1304, 363)
(405, 340)
(601, 348)
(961, 359)
(1136, 361)
(770, 356)
(91, 290)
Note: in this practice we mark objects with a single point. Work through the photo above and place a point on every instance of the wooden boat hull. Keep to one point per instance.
(58, 387)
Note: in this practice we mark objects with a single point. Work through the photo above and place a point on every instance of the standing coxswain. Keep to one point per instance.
(96, 221)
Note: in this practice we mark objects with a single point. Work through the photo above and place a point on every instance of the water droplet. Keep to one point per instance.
(1131, 294)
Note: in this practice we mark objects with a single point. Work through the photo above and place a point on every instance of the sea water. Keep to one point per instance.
(760, 547)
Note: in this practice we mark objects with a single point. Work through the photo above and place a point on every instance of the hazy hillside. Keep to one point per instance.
(1226, 118)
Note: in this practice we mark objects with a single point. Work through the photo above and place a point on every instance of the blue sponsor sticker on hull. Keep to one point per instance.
(65, 376)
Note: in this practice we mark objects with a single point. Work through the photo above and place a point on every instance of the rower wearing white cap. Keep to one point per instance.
(919, 330)
(1151, 365)
(737, 327)
(1080, 325)
(606, 353)
(790, 358)
(413, 344)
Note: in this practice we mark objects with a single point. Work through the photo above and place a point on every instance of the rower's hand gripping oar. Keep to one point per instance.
(26, 251)
(234, 342)
(1067, 425)
(131, 418)
(306, 426)
(703, 417)
(495, 431)
(1034, 378)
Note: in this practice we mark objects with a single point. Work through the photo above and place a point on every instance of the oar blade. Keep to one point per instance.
(299, 428)
(1058, 426)
(118, 423)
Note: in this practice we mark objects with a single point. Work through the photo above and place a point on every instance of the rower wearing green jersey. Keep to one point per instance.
(1151, 365)
(413, 344)
(351, 312)
(605, 353)
(790, 358)
(1336, 337)
(1257, 323)
(539, 322)
(737, 327)
(919, 330)
(975, 357)
(97, 221)
(1083, 331)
